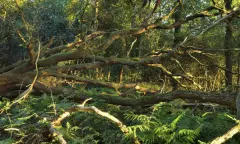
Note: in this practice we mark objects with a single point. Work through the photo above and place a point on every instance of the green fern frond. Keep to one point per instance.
(140, 118)
(140, 127)
(175, 121)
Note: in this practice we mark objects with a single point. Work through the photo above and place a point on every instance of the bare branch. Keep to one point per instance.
(71, 45)
(83, 108)
(25, 94)
(228, 135)
(100, 83)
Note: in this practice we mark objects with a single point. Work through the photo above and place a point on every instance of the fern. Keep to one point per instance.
(160, 127)
(140, 118)
(175, 122)
(162, 123)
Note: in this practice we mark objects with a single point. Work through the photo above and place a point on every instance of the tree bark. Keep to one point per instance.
(177, 29)
(177, 37)
(228, 45)
(224, 99)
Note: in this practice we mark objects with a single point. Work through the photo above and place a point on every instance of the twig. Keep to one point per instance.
(128, 53)
(195, 59)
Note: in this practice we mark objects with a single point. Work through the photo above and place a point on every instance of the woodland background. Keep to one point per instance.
(119, 71)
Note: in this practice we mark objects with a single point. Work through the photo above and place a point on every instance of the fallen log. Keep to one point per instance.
(224, 99)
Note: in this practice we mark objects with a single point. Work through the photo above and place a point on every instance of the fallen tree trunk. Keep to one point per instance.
(224, 99)
(21, 74)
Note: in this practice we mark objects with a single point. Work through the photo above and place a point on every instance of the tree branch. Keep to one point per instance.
(83, 108)
(71, 45)
(228, 135)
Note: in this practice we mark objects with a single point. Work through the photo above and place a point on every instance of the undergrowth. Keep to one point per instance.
(168, 123)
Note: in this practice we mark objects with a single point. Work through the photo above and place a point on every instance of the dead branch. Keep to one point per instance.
(232, 14)
(116, 86)
(120, 34)
(148, 62)
(73, 44)
(25, 94)
(167, 73)
(66, 68)
(83, 108)
(57, 134)
(228, 135)
(113, 37)
(10, 67)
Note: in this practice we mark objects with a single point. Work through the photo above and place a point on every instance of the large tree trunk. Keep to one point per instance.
(177, 30)
(228, 45)
(177, 37)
